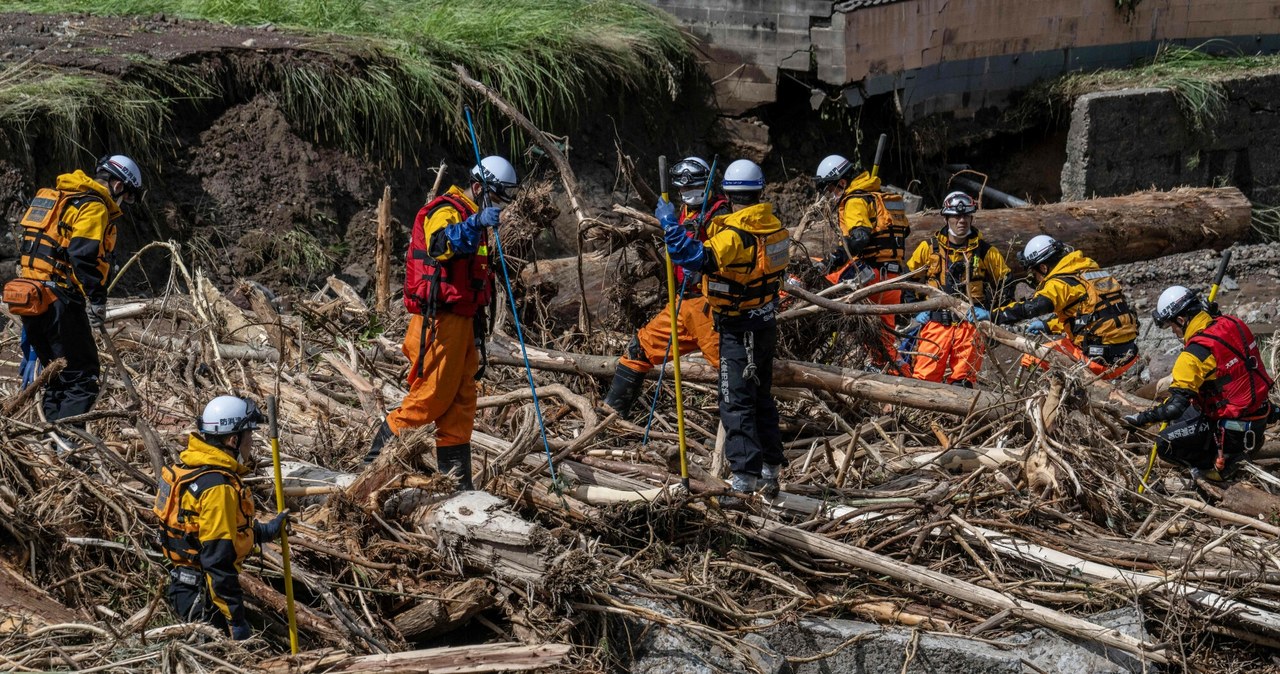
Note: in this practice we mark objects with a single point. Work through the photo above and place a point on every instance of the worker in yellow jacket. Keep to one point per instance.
(949, 347)
(874, 229)
(651, 344)
(742, 261)
(207, 517)
(67, 249)
(1088, 305)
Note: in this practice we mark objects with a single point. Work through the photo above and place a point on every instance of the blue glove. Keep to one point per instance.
(922, 317)
(489, 217)
(1037, 327)
(979, 314)
(666, 214)
(270, 530)
(241, 630)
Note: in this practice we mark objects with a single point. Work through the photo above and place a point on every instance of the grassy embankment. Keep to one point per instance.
(548, 57)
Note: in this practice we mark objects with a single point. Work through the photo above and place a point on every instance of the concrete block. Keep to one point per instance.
(884, 650)
(1054, 653)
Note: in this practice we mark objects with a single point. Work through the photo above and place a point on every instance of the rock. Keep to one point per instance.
(884, 649)
(1052, 652)
(662, 650)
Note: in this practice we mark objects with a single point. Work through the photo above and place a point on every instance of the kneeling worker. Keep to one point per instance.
(650, 345)
(960, 263)
(207, 517)
(1218, 399)
(742, 261)
(1099, 329)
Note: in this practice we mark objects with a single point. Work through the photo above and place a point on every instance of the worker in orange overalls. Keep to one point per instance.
(448, 286)
(651, 344)
(873, 226)
(960, 262)
(1090, 310)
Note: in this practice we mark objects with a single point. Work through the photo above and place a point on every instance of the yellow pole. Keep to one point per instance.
(675, 341)
(284, 530)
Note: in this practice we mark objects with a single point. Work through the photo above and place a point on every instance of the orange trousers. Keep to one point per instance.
(887, 337)
(1065, 345)
(958, 348)
(445, 391)
(697, 333)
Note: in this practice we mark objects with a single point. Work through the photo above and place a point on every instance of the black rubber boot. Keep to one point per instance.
(375, 447)
(625, 390)
(457, 460)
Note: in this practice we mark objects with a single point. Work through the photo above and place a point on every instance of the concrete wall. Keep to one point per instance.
(1123, 141)
(947, 55)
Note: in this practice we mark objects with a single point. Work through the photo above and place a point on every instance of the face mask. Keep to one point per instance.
(691, 197)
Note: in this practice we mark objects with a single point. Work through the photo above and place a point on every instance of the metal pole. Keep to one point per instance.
(274, 431)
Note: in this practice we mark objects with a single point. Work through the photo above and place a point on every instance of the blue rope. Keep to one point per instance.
(506, 281)
(657, 389)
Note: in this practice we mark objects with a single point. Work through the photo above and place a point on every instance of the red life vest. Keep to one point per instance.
(718, 205)
(1242, 384)
(462, 284)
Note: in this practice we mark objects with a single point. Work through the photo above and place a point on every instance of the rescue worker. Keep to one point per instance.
(949, 347)
(651, 344)
(1217, 407)
(207, 517)
(448, 287)
(1090, 310)
(67, 251)
(742, 262)
(874, 228)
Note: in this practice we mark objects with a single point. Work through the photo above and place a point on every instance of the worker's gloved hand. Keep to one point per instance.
(1037, 327)
(270, 530)
(1136, 420)
(666, 214)
(979, 314)
(489, 217)
(241, 630)
(921, 318)
(97, 314)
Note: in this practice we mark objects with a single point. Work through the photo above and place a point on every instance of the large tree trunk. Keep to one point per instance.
(1116, 230)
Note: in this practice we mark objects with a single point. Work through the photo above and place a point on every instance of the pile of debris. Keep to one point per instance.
(941, 510)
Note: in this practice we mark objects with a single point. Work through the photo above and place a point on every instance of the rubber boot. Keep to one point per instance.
(457, 460)
(375, 448)
(625, 390)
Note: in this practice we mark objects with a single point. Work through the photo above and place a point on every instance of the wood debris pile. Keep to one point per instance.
(904, 503)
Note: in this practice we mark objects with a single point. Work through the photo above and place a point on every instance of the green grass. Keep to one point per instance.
(547, 57)
(1194, 75)
(35, 99)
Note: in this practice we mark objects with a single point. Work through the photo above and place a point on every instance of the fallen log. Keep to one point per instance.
(871, 386)
(1116, 230)
(457, 605)
(504, 657)
(479, 531)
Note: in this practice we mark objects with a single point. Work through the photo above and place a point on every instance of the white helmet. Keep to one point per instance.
(1174, 302)
(959, 203)
(1041, 249)
(226, 415)
(832, 170)
(497, 175)
(123, 169)
(743, 176)
(690, 175)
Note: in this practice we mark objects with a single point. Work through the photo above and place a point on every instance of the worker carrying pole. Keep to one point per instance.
(675, 330)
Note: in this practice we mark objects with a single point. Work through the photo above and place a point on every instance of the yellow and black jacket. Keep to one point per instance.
(975, 269)
(746, 254)
(1088, 303)
(78, 259)
(873, 224)
(212, 526)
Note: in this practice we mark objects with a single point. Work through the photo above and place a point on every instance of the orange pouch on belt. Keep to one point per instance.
(27, 297)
